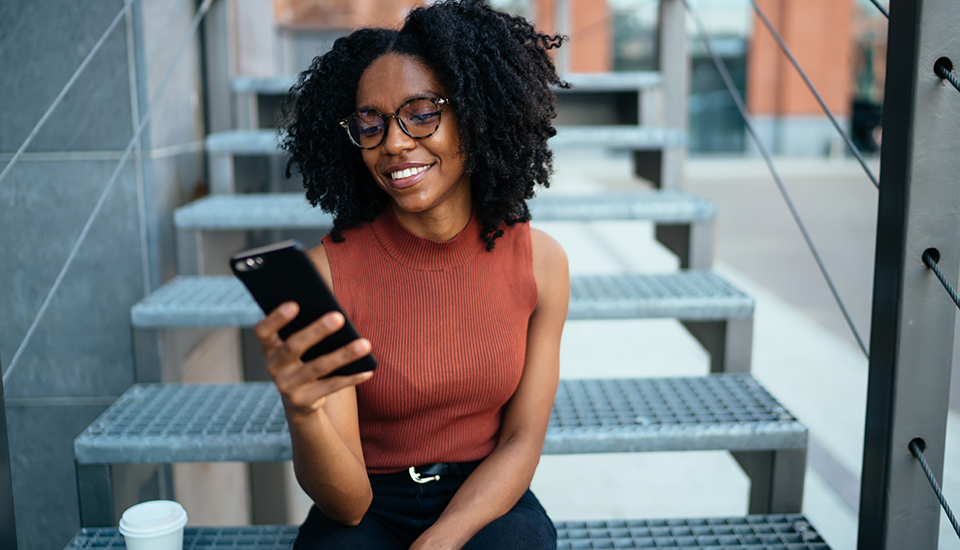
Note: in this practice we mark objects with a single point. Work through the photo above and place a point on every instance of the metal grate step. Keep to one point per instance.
(292, 211)
(167, 423)
(624, 138)
(223, 301)
(580, 82)
(757, 532)
(685, 295)
(633, 138)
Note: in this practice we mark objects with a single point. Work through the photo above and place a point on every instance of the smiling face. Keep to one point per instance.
(421, 176)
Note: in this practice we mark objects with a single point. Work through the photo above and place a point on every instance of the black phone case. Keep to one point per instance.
(282, 272)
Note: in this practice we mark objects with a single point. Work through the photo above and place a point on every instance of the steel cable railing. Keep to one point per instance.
(946, 72)
(930, 260)
(194, 25)
(882, 9)
(917, 452)
(813, 90)
(66, 88)
(728, 81)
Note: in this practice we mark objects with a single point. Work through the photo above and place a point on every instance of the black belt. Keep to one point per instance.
(432, 472)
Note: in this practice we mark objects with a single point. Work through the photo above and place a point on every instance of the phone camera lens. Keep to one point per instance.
(250, 262)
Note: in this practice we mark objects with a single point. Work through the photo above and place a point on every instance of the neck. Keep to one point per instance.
(439, 224)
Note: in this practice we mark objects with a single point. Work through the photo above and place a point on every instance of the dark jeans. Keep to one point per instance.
(402, 510)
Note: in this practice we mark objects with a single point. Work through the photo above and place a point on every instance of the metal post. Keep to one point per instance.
(691, 242)
(913, 317)
(8, 524)
(729, 343)
(563, 27)
(674, 66)
(95, 495)
(220, 64)
(776, 479)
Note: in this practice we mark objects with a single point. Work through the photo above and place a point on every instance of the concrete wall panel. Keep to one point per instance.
(169, 182)
(42, 44)
(82, 344)
(44, 480)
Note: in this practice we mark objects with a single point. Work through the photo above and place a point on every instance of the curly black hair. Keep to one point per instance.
(497, 72)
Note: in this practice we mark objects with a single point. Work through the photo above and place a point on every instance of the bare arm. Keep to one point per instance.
(321, 412)
(502, 478)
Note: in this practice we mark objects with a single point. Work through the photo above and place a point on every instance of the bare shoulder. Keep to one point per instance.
(548, 255)
(321, 261)
(550, 269)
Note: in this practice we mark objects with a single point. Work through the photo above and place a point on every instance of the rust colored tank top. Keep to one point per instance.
(448, 325)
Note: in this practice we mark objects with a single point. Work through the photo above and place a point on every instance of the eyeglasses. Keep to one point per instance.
(418, 118)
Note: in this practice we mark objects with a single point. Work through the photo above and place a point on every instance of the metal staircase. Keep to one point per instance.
(728, 410)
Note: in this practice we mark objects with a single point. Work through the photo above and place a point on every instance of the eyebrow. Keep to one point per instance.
(432, 95)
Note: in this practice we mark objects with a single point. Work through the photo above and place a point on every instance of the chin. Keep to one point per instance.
(411, 204)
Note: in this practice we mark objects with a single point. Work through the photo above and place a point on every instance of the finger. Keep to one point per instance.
(326, 365)
(316, 331)
(267, 330)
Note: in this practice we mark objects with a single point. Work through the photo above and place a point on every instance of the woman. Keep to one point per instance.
(424, 143)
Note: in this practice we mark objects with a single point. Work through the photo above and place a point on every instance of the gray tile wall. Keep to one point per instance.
(41, 44)
(80, 357)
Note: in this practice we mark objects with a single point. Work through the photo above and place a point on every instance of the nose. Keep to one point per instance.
(396, 139)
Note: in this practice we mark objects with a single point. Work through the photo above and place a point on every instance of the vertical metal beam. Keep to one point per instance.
(776, 479)
(729, 343)
(95, 492)
(674, 67)
(913, 317)
(691, 242)
(8, 524)
(562, 17)
(221, 172)
(220, 64)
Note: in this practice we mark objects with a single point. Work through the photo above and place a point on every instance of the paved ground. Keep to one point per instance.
(803, 350)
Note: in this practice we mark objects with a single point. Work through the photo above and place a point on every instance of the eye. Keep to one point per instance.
(420, 112)
(367, 123)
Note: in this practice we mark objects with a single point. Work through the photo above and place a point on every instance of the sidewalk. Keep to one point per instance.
(803, 351)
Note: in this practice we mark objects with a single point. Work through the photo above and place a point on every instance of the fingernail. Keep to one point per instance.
(360, 346)
(288, 309)
(332, 320)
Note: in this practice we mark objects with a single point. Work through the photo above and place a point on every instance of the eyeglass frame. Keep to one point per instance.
(437, 101)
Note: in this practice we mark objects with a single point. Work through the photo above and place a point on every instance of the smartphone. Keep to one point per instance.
(283, 272)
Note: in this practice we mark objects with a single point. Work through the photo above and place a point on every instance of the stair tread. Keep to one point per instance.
(223, 301)
(292, 211)
(627, 137)
(165, 423)
(600, 82)
(791, 531)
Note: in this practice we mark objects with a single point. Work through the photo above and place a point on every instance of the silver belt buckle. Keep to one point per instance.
(421, 480)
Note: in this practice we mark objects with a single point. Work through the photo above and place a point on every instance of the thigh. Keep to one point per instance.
(318, 532)
(525, 527)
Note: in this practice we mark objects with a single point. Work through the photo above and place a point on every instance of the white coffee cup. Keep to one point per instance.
(154, 525)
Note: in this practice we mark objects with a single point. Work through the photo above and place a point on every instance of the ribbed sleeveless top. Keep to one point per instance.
(448, 325)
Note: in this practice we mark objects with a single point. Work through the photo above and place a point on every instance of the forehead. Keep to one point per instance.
(394, 78)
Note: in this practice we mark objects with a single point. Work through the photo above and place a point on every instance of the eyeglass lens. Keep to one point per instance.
(419, 118)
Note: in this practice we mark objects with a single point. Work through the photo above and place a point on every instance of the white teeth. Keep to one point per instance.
(401, 174)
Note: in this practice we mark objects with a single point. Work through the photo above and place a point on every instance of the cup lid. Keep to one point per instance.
(155, 517)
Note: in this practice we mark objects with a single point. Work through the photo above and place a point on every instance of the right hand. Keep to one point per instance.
(303, 386)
